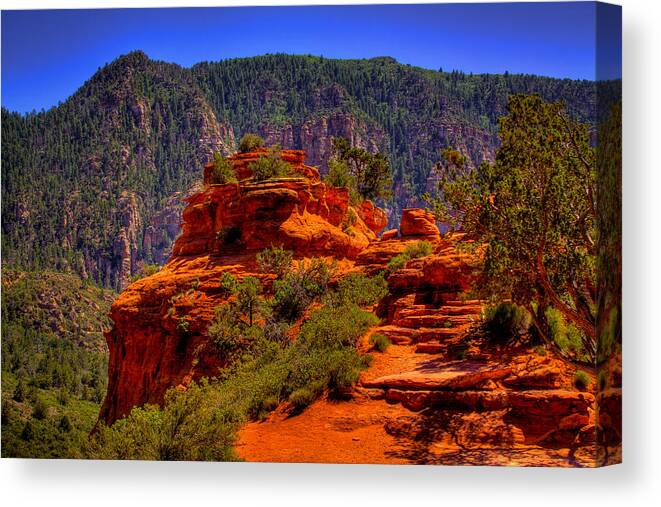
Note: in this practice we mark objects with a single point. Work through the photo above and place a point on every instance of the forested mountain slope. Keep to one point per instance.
(95, 184)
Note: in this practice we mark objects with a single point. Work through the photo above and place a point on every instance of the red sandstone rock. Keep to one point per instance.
(299, 214)
(442, 272)
(224, 226)
(375, 218)
(458, 376)
(418, 222)
(389, 234)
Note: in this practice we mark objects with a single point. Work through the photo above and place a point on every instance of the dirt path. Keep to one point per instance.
(332, 431)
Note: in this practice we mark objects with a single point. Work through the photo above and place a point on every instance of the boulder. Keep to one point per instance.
(418, 222)
(389, 234)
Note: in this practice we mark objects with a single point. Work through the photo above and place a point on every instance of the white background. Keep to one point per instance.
(636, 482)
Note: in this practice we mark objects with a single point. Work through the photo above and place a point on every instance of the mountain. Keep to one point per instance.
(95, 185)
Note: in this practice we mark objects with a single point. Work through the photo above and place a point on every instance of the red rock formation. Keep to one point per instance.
(159, 337)
(418, 222)
(299, 214)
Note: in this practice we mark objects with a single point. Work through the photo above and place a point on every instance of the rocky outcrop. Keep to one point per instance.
(159, 339)
(299, 213)
(418, 222)
(466, 391)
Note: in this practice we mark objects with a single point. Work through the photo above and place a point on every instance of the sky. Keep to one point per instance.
(48, 54)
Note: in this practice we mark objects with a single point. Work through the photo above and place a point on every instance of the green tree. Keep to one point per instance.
(368, 172)
(535, 209)
(40, 409)
(247, 297)
(65, 424)
(609, 244)
(249, 142)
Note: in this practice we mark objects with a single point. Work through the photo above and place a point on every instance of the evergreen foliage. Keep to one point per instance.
(275, 260)
(366, 173)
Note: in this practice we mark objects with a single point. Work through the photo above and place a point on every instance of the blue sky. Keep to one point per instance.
(47, 55)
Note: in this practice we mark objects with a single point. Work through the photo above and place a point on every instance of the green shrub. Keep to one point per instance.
(224, 330)
(232, 337)
(63, 396)
(183, 325)
(413, 251)
(380, 342)
(506, 321)
(366, 360)
(338, 175)
(28, 432)
(361, 290)
(276, 331)
(189, 427)
(582, 380)
(352, 217)
(290, 299)
(418, 249)
(566, 336)
(608, 335)
(397, 262)
(65, 424)
(299, 288)
(247, 297)
(222, 171)
(261, 408)
(20, 393)
(249, 142)
(336, 326)
(228, 282)
(145, 271)
(275, 260)
(302, 397)
(270, 166)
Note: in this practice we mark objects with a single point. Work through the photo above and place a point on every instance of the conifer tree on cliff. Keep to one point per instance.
(534, 207)
(369, 173)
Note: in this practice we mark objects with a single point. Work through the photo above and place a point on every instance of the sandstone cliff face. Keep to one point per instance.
(314, 135)
(224, 227)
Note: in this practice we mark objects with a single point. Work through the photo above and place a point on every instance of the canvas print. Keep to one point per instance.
(337, 234)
